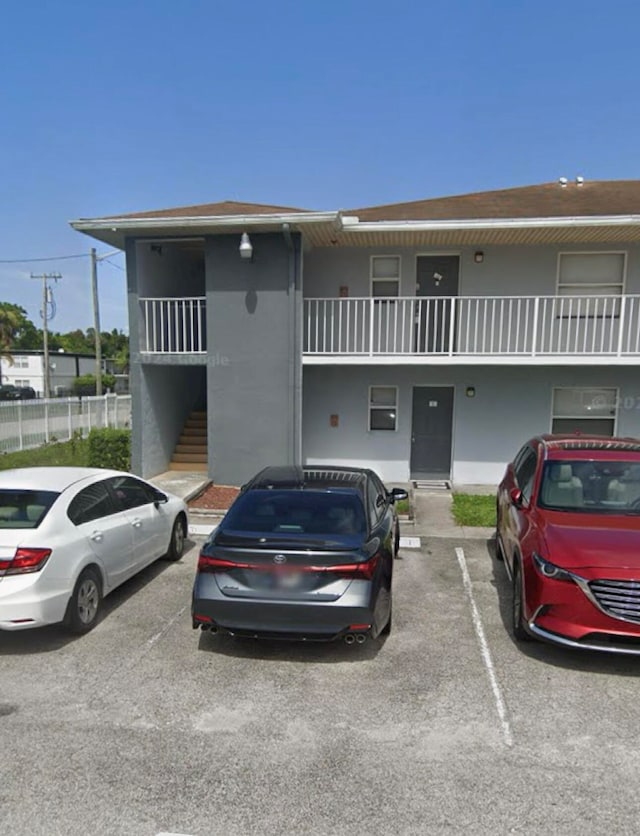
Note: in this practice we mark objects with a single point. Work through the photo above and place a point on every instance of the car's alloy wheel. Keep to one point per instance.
(85, 602)
(517, 610)
(176, 544)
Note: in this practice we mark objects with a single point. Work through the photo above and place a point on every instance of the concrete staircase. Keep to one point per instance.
(191, 449)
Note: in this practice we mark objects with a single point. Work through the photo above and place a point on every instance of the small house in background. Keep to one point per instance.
(26, 369)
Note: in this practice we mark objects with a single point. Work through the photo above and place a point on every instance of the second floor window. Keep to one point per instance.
(591, 274)
(385, 276)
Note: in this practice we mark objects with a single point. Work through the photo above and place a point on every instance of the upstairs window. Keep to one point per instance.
(385, 276)
(591, 274)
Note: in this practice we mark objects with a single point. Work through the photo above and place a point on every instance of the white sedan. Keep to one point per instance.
(71, 535)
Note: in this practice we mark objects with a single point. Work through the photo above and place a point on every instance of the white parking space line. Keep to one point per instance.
(201, 530)
(484, 649)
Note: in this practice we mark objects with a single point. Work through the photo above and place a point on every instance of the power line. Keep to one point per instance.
(53, 258)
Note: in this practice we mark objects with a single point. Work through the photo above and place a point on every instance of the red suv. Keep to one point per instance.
(569, 533)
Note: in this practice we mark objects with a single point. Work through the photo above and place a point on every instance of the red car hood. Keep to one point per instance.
(575, 541)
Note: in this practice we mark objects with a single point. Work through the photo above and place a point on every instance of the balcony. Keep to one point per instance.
(474, 329)
(173, 326)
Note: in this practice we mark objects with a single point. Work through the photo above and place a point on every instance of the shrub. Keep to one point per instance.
(86, 384)
(110, 448)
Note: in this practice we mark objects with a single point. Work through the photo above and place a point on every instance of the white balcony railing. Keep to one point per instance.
(474, 325)
(173, 326)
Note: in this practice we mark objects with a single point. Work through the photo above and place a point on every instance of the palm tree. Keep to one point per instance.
(10, 322)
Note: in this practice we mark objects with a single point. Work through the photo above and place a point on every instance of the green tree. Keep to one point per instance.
(17, 330)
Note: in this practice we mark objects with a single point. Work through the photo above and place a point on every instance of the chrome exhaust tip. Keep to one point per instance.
(361, 638)
(349, 638)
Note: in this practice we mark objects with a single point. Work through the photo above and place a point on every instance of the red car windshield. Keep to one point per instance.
(600, 487)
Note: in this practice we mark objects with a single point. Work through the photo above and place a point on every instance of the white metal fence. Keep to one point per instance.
(25, 424)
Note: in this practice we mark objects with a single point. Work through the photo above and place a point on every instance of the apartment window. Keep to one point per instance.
(591, 274)
(21, 383)
(589, 411)
(385, 275)
(383, 407)
(20, 362)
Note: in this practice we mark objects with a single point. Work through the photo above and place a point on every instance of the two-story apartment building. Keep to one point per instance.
(426, 339)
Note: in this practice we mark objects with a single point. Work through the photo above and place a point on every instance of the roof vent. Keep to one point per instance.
(563, 182)
(579, 180)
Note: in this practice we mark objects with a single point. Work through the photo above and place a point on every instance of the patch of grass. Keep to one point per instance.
(72, 453)
(403, 506)
(474, 509)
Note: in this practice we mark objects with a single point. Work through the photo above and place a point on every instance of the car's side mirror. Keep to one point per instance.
(160, 498)
(516, 497)
(397, 494)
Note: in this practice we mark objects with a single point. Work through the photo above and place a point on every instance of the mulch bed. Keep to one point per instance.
(214, 498)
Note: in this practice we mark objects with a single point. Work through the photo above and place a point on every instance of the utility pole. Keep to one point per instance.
(96, 319)
(47, 299)
(96, 312)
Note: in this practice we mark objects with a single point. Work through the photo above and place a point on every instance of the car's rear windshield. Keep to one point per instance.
(24, 508)
(600, 487)
(297, 512)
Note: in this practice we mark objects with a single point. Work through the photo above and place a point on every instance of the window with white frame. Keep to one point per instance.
(586, 410)
(591, 274)
(20, 362)
(383, 407)
(21, 382)
(385, 275)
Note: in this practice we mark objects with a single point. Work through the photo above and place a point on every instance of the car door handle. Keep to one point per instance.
(136, 523)
(97, 536)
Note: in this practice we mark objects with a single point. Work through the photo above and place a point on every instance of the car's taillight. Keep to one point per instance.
(206, 563)
(25, 561)
(355, 571)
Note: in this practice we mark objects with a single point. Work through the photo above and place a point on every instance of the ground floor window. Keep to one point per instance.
(383, 412)
(586, 410)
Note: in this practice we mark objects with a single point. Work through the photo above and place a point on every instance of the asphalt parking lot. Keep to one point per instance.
(145, 726)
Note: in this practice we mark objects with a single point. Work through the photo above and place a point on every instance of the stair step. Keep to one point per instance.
(190, 447)
(196, 467)
(190, 457)
(200, 432)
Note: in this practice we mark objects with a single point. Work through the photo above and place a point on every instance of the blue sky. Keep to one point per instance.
(133, 105)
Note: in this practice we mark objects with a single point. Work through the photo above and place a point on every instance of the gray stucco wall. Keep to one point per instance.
(254, 356)
(170, 270)
(510, 406)
(505, 271)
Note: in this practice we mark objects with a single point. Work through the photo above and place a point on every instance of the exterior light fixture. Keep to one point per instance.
(470, 391)
(478, 257)
(246, 247)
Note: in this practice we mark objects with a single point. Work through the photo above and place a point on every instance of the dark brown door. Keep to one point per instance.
(437, 281)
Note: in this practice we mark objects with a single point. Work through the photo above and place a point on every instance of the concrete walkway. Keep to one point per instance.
(432, 508)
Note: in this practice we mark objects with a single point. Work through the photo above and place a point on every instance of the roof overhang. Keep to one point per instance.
(114, 231)
(334, 229)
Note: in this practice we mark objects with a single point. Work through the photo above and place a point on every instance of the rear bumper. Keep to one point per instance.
(306, 620)
(27, 608)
